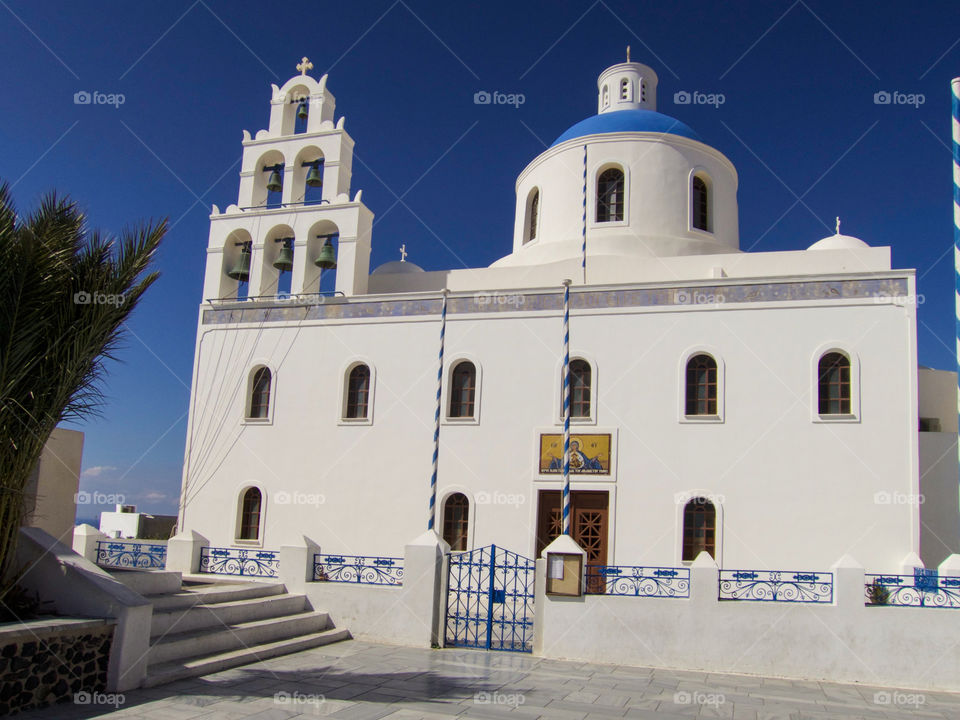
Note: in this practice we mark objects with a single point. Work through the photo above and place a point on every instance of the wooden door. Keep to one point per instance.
(588, 527)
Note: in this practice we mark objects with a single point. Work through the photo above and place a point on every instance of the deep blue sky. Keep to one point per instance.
(799, 121)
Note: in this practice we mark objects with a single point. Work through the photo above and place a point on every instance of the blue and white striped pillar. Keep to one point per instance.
(566, 407)
(955, 87)
(583, 262)
(436, 417)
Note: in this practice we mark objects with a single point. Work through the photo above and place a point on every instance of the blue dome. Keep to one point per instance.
(628, 121)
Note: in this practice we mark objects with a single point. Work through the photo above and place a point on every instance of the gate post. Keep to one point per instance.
(422, 589)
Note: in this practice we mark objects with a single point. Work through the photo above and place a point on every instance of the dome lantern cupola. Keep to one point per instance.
(627, 86)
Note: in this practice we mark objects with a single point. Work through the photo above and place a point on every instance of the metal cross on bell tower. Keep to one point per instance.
(403, 253)
(304, 65)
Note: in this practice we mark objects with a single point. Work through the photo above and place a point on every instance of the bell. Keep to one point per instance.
(314, 178)
(274, 183)
(302, 111)
(327, 260)
(284, 261)
(241, 271)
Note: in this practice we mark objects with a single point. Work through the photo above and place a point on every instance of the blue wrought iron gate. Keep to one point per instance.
(490, 600)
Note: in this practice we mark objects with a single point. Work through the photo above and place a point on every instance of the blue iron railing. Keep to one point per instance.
(776, 586)
(363, 569)
(122, 554)
(922, 589)
(239, 561)
(665, 582)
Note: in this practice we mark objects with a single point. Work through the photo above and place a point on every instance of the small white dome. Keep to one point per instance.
(839, 242)
(396, 267)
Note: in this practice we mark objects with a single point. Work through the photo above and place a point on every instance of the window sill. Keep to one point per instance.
(355, 421)
(701, 419)
(461, 421)
(248, 544)
(827, 419)
(578, 421)
(257, 421)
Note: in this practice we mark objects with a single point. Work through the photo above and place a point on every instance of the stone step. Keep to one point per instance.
(148, 582)
(213, 593)
(226, 613)
(168, 672)
(209, 641)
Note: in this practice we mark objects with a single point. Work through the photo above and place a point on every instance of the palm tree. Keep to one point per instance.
(65, 293)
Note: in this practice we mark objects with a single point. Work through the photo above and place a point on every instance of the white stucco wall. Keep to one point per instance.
(793, 492)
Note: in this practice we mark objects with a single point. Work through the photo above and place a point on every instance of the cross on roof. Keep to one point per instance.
(838, 225)
(403, 253)
(628, 53)
(304, 65)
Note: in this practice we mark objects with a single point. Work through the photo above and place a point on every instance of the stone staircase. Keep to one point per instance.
(204, 627)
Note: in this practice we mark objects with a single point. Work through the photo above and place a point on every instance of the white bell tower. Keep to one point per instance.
(294, 193)
(627, 86)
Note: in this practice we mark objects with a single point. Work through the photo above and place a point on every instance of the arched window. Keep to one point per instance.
(701, 204)
(358, 393)
(610, 195)
(625, 89)
(580, 387)
(260, 395)
(456, 518)
(463, 388)
(699, 528)
(701, 385)
(250, 503)
(532, 216)
(606, 96)
(833, 379)
(643, 91)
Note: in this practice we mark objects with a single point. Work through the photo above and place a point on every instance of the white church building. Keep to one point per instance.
(763, 407)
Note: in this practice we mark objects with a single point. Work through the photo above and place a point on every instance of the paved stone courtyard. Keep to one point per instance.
(365, 681)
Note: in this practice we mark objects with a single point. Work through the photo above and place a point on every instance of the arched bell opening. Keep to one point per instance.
(235, 275)
(277, 257)
(308, 176)
(321, 259)
(268, 180)
(296, 110)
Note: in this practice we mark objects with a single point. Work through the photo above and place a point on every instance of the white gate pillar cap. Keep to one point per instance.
(86, 529)
(950, 566)
(704, 559)
(430, 539)
(563, 544)
(846, 561)
(912, 560)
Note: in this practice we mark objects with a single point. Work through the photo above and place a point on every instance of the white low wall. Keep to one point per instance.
(842, 642)
(369, 612)
(78, 587)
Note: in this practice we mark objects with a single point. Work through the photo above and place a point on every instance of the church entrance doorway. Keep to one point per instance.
(588, 527)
